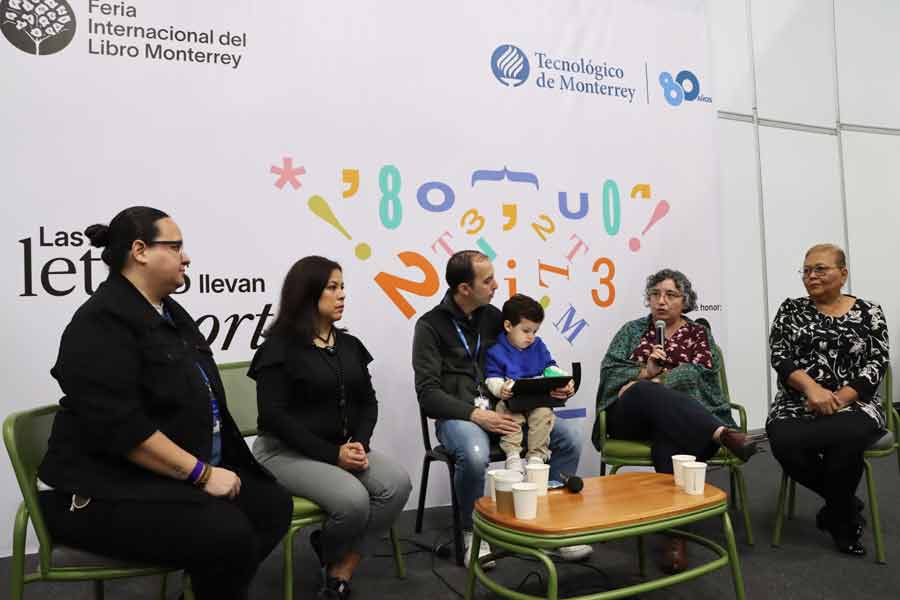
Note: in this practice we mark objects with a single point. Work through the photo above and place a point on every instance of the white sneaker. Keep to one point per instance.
(514, 463)
(572, 553)
(535, 460)
(483, 550)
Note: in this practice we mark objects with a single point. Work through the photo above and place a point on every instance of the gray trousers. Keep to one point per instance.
(357, 502)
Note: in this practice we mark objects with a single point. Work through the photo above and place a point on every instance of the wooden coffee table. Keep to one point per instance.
(608, 508)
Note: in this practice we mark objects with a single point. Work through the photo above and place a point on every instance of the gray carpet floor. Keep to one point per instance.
(805, 567)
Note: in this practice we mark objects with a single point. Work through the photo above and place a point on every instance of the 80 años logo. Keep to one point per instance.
(37, 27)
(684, 88)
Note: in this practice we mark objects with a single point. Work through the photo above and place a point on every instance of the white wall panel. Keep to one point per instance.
(868, 61)
(870, 163)
(794, 53)
(744, 302)
(729, 44)
(801, 197)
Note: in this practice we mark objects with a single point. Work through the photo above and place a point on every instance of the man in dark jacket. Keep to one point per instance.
(449, 348)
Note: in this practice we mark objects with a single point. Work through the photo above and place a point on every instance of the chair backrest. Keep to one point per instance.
(26, 434)
(240, 393)
(887, 400)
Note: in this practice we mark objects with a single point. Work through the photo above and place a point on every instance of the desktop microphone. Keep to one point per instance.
(660, 333)
(573, 483)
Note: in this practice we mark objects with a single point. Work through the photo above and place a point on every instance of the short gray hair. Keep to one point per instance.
(681, 282)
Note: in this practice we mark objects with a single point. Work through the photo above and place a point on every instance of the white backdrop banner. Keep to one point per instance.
(573, 142)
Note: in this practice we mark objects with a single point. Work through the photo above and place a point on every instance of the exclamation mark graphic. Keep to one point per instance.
(661, 210)
(320, 208)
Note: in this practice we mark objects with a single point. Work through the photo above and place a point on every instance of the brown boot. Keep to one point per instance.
(738, 444)
(674, 558)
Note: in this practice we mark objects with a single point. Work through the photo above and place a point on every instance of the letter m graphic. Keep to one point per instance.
(570, 330)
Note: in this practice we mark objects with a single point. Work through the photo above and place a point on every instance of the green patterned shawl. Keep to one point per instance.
(696, 381)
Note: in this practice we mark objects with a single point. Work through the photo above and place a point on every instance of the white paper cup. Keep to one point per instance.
(503, 493)
(539, 475)
(694, 477)
(489, 483)
(677, 461)
(525, 497)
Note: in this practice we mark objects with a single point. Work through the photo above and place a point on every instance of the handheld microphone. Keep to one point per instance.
(660, 332)
(573, 483)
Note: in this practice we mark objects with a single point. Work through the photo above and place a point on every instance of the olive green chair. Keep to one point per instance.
(619, 453)
(240, 394)
(25, 435)
(887, 445)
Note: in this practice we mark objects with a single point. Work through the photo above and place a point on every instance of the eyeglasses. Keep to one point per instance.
(669, 294)
(818, 271)
(176, 245)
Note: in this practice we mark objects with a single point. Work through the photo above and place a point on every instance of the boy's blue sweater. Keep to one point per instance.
(505, 360)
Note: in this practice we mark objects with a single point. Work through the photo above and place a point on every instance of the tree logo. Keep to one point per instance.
(37, 27)
(510, 65)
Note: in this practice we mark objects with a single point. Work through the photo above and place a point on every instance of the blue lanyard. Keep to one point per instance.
(465, 344)
(212, 399)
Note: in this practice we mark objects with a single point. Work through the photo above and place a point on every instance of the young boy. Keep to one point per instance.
(520, 353)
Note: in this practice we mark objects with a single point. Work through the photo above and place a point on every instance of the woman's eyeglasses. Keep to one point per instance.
(669, 294)
(818, 271)
(176, 245)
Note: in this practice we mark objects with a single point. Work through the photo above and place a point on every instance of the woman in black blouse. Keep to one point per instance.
(145, 460)
(317, 411)
(830, 351)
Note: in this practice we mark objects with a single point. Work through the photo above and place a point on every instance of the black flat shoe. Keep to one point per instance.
(846, 539)
(851, 548)
(739, 444)
(334, 589)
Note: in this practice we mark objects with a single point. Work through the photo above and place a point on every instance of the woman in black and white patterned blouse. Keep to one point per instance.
(830, 351)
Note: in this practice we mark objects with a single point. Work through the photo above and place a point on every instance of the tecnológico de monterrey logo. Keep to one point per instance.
(510, 65)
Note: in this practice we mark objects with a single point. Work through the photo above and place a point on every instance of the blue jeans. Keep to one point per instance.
(470, 446)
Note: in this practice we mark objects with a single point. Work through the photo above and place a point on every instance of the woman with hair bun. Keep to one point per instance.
(145, 461)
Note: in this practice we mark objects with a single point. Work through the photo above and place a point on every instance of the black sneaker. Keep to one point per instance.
(334, 589)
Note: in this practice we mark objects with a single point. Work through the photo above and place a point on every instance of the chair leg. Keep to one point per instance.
(602, 468)
(399, 563)
(17, 566)
(744, 503)
(733, 497)
(457, 522)
(288, 570)
(423, 490)
(876, 517)
(98, 589)
(615, 469)
(186, 586)
(779, 511)
(792, 500)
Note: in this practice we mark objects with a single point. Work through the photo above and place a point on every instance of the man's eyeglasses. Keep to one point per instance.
(176, 245)
(669, 294)
(818, 271)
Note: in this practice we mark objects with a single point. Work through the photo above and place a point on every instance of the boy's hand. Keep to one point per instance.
(506, 391)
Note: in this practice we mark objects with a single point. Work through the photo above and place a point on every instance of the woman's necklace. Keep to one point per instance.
(327, 339)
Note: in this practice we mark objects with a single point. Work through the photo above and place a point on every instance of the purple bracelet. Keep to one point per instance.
(195, 473)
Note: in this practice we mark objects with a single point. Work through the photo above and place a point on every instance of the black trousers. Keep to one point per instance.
(672, 421)
(825, 455)
(220, 542)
